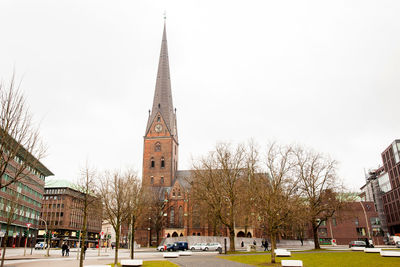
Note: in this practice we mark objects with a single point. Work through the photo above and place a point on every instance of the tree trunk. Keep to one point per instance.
(117, 233)
(133, 237)
(315, 234)
(83, 239)
(231, 239)
(273, 246)
(5, 241)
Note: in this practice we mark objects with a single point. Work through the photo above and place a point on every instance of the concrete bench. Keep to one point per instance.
(390, 253)
(131, 263)
(357, 248)
(290, 263)
(171, 255)
(282, 253)
(372, 250)
(185, 253)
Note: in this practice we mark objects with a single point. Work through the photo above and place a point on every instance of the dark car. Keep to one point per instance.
(179, 246)
(357, 243)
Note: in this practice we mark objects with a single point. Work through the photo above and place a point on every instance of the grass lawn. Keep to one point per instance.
(328, 259)
(155, 264)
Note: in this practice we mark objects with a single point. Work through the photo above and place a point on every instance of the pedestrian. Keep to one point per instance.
(266, 245)
(63, 249)
(301, 240)
(242, 244)
(67, 251)
(84, 251)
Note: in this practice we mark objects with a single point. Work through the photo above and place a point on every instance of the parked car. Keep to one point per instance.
(213, 246)
(357, 243)
(398, 244)
(179, 246)
(164, 247)
(41, 245)
(198, 246)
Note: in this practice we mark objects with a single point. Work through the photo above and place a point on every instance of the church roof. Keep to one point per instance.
(162, 101)
(184, 178)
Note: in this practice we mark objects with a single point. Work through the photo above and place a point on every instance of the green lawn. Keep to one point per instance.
(322, 259)
(155, 264)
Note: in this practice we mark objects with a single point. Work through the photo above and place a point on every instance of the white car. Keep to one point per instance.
(162, 248)
(198, 246)
(213, 246)
(41, 245)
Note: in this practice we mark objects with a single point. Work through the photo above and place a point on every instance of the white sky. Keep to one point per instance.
(324, 74)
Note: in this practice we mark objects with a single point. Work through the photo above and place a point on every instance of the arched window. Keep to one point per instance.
(158, 119)
(162, 180)
(152, 180)
(162, 162)
(157, 147)
(172, 217)
(180, 216)
(152, 163)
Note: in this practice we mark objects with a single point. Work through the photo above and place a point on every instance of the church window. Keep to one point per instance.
(172, 216)
(179, 193)
(152, 163)
(157, 147)
(162, 162)
(162, 180)
(158, 119)
(173, 193)
(180, 216)
(151, 179)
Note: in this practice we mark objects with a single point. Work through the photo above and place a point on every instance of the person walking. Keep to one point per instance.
(266, 245)
(63, 249)
(242, 244)
(84, 251)
(67, 251)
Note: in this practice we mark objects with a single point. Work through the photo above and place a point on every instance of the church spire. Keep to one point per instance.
(162, 102)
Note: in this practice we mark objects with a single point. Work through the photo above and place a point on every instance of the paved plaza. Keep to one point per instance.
(15, 258)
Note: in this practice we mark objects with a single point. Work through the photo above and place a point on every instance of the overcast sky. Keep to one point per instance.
(324, 74)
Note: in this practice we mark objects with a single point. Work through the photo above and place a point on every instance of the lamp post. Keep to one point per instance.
(149, 229)
(48, 245)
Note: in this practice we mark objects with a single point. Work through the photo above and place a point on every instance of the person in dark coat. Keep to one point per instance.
(84, 251)
(67, 251)
(242, 244)
(64, 249)
(266, 245)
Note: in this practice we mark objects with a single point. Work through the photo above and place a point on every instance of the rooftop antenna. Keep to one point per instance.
(165, 15)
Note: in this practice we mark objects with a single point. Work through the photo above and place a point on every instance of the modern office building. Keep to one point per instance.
(63, 212)
(21, 201)
(391, 179)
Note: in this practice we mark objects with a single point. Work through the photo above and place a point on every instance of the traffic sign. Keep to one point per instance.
(28, 225)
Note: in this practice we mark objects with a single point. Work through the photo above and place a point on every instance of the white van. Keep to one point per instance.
(393, 239)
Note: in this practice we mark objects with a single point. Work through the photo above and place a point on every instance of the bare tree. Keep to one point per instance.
(114, 192)
(275, 189)
(319, 186)
(217, 182)
(135, 205)
(153, 214)
(21, 147)
(86, 186)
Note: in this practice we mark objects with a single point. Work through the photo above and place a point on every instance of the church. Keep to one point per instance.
(160, 167)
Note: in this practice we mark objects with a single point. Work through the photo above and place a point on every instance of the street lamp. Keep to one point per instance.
(48, 245)
(149, 229)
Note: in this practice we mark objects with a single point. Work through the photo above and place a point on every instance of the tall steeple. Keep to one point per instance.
(162, 102)
(160, 150)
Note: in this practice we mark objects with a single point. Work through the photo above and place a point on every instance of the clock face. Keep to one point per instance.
(158, 128)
